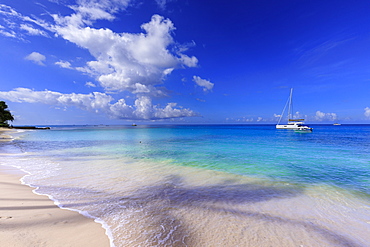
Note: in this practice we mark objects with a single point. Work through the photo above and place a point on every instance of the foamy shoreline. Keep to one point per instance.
(28, 219)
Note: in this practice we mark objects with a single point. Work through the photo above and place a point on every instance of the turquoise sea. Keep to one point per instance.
(205, 185)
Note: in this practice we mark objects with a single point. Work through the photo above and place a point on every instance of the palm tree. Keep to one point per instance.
(5, 115)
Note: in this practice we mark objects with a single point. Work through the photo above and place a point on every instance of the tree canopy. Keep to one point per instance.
(5, 115)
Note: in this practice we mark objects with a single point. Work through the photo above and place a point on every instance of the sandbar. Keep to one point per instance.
(28, 219)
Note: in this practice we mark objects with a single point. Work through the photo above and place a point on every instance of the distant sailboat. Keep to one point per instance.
(293, 124)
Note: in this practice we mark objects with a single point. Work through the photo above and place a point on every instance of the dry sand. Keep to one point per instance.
(27, 219)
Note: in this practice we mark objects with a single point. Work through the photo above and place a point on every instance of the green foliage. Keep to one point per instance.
(5, 115)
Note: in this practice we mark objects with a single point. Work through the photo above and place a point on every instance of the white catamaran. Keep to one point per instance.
(293, 124)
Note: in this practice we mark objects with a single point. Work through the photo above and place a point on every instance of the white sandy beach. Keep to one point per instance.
(28, 219)
(4, 134)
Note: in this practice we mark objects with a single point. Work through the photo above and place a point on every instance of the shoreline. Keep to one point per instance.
(5, 134)
(29, 219)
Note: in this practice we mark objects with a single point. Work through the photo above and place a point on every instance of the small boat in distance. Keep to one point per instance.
(293, 124)
(337, 124)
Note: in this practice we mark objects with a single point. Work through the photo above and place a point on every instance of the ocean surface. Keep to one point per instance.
(210, 185)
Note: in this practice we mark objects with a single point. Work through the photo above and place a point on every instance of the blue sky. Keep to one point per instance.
(189, 61)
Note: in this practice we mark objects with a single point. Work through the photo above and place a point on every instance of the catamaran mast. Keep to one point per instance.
(290, 109)
(288, 103)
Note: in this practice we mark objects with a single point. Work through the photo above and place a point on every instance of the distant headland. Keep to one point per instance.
(29, 127)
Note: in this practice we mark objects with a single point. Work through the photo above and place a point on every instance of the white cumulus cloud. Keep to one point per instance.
(207, 85)
(64, 64)
(126, 61)
(367, 112)
(143, 109)
(36, 58)
(321, 116)
(138, 63)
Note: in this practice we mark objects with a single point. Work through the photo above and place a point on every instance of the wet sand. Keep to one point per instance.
(28, 219)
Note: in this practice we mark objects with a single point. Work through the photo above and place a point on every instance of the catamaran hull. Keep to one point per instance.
(294, 126)
(289, 127)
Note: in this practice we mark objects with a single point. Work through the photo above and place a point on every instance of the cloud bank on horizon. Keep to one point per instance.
(137, 63)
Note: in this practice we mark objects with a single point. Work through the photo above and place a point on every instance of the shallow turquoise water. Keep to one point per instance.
(118, 169)
(338, 155)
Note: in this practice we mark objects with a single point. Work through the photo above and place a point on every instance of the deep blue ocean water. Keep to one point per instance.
(111, 173)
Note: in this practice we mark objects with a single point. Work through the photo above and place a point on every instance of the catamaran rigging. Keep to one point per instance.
(293, 124)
